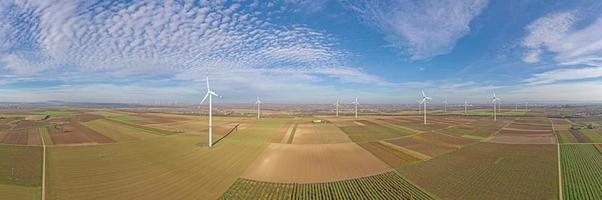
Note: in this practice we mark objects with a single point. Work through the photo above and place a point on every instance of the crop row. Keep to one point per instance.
(384, 186)
(581, 172)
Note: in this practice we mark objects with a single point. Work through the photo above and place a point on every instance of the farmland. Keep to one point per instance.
(20, 171)
(490, 171)
(581, 164)
(113, 154)
(146, 169)
(383, 186)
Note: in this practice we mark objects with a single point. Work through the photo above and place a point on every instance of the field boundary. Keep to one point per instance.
(144, 128)
(560, 195)
(292, 134)
(416, 154)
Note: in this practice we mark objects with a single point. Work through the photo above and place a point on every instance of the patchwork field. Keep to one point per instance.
(383, 186)
(314, 163)
(479, 129)
(368, 130)
(431, 144)
(490, 171)
(76, 133)
(581, 171)
(147, 169)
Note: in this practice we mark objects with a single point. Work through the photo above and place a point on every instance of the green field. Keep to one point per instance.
(384, 186)
(20, 172)
(55, 112)
(592, 135)
(119, 132)
(292, 135)
(581, 171)
(126, 118)
(490, 171)
(171, 167)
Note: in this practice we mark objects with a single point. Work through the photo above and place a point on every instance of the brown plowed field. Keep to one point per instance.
(421, 146)
(510, 131)
(530, 126)
(33, 137)
(444, 140)
(305, 134)
(313, 163)
(525, 139)
(77, 133)
(86, 117)
(280, 133)
(392, 157)
(18, 136)
(533, 120)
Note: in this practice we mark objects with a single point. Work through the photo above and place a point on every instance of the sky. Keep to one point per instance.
(301, 51)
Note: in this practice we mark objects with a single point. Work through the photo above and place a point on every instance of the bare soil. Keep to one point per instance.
(75, 134)
(314, 163)
(525, 139)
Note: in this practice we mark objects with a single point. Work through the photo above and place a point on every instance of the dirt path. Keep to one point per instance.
(43, 169)
(560, 195)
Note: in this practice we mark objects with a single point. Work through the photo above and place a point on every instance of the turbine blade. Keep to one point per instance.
(205, 98)
(207, 78)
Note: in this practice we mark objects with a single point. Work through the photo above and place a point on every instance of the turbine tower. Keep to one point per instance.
(423, 102)
(337, 107)
(356, 104)
(209, 95)
(494, 101)
(465, 105)
(445, 105)
(258, 102)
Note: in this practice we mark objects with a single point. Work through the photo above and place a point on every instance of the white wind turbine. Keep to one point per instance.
(465, 105)
(209, 94)
(423, 102)
(337, 107)
(356, 104)
(258, 102)
(445, 105)
(419, 106)
(494, 101)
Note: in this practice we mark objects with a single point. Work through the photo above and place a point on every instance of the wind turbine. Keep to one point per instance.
(419, 106)
(258, 102)
(337, 107)
(465, 105)
(445, 105)
(494, 102)
(423, 102)
(356, 104)
(209, 94)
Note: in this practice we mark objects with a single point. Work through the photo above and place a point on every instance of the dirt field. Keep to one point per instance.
(391, 156)
(33, 137)
(315, 163)
(278, 137)
(117, 131)
(599, 147)
(490, 171)
(76, 134)
(324, 133)
(525, 139)
(431, 144)
(305, 134)
(17, 136)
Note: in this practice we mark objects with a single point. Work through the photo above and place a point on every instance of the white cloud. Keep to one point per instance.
(421, 28)
(557, 33)
(565, 74)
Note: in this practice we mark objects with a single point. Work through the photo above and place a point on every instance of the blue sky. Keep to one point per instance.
(297, 51)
